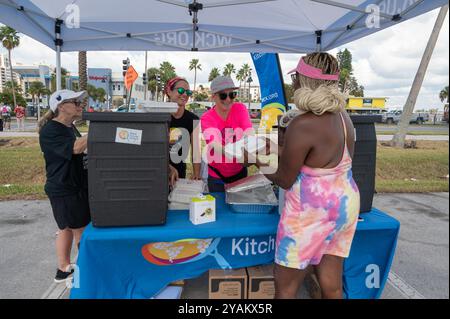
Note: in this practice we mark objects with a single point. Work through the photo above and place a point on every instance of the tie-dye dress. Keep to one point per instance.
(320, 215)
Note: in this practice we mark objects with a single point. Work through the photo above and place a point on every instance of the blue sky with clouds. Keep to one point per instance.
(385, 62)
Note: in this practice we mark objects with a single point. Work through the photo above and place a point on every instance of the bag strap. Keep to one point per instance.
(229, 179)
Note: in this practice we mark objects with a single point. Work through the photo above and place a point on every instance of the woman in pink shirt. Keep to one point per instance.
(226, 122)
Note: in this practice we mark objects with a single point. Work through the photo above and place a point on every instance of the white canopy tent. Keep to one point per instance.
(283, 26)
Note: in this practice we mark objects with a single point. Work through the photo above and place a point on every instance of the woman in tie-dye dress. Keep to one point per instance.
(315, 168)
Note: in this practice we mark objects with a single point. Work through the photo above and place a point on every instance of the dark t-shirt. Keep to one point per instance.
(186, 122)
(65, 172)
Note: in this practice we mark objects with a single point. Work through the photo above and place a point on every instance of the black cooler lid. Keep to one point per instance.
(126, 117)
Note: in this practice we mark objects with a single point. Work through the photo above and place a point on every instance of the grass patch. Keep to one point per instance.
(409, 186)
(413, 170)
(398, 170)
(23, 169)
(24, 192)
(428, 133)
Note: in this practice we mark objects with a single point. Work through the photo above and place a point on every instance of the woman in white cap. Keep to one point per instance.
(66, 186)
(226, 122)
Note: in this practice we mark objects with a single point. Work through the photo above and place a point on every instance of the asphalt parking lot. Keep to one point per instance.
(420, 268)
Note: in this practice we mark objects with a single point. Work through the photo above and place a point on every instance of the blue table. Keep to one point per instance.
(138, 262)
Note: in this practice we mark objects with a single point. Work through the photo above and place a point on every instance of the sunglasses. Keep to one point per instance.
(76, 102)
(181, 91)
(231, 95)
(294, 77)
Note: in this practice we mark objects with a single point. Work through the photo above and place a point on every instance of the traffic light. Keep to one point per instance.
(125, 66)
(158, 78)
(144, 79)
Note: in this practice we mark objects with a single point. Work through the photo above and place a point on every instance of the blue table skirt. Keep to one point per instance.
(138, 262)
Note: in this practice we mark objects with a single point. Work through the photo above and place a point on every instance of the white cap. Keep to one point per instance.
(63, 95)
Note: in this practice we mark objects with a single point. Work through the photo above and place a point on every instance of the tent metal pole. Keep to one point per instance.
(319, 40)
(58, 67)
(58, 43)
(252, 41)
(25, 13)
(415, 4)
(350, 7)
(132, 36)
(12, 4)
(351, 25)
(120, 35)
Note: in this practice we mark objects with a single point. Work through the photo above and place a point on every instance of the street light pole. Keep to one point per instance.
(249, 80)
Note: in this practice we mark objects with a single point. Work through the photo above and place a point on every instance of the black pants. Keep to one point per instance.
(71, 211)
(181, 169)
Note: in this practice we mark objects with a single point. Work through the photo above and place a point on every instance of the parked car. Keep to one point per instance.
(393, 117)
(124, 108)
(255, 114)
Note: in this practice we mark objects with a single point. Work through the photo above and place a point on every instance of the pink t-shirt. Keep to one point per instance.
(214, 128)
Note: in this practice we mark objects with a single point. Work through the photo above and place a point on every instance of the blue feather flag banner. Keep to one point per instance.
(273, 98)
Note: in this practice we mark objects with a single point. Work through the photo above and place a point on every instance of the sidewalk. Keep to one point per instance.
(420, 268)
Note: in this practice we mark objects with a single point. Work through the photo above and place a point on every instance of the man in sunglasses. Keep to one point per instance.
(226, 122)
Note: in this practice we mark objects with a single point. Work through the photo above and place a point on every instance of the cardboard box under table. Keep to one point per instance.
(261, 284)
(228, 284)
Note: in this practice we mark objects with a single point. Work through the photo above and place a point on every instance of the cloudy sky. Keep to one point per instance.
(385, 63)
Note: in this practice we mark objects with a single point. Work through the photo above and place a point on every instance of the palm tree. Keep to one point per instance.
(166, 72)
(229, 69)
(37, 89)
(245, 69)
(152, 81)
(443, 95)
(82, 74)
(195, 65)
(213, 74)
(402, 127)
(92, 92)
(240, 76)
(10, 40)
(64, 74)
(100, 94)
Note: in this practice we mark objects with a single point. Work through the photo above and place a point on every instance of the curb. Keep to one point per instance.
(56, 291)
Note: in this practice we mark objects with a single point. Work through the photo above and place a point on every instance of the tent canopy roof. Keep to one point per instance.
(288, 26)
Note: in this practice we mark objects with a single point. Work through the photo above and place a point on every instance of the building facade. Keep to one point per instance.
(100, 78)
(118, 91)
(254, 92)
(33, 73)
(5, 74)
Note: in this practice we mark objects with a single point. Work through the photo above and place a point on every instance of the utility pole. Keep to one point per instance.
(125, 66)
(145, 78)
(402, 127)
(249, 80)
(158, 80)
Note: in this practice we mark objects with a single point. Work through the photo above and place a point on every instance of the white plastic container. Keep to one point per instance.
(251, 143)
(156, 107)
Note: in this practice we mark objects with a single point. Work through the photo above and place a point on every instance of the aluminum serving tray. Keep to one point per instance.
(261, 200)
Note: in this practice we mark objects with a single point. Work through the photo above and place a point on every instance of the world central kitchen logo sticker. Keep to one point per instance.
(128, 136)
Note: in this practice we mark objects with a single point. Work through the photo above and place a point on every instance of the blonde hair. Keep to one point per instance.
(319, 96)
(50, 115)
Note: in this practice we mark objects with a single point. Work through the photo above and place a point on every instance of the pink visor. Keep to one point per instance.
(312, 72)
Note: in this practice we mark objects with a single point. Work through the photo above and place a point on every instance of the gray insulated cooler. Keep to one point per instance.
(128, 168)
(365, 157)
